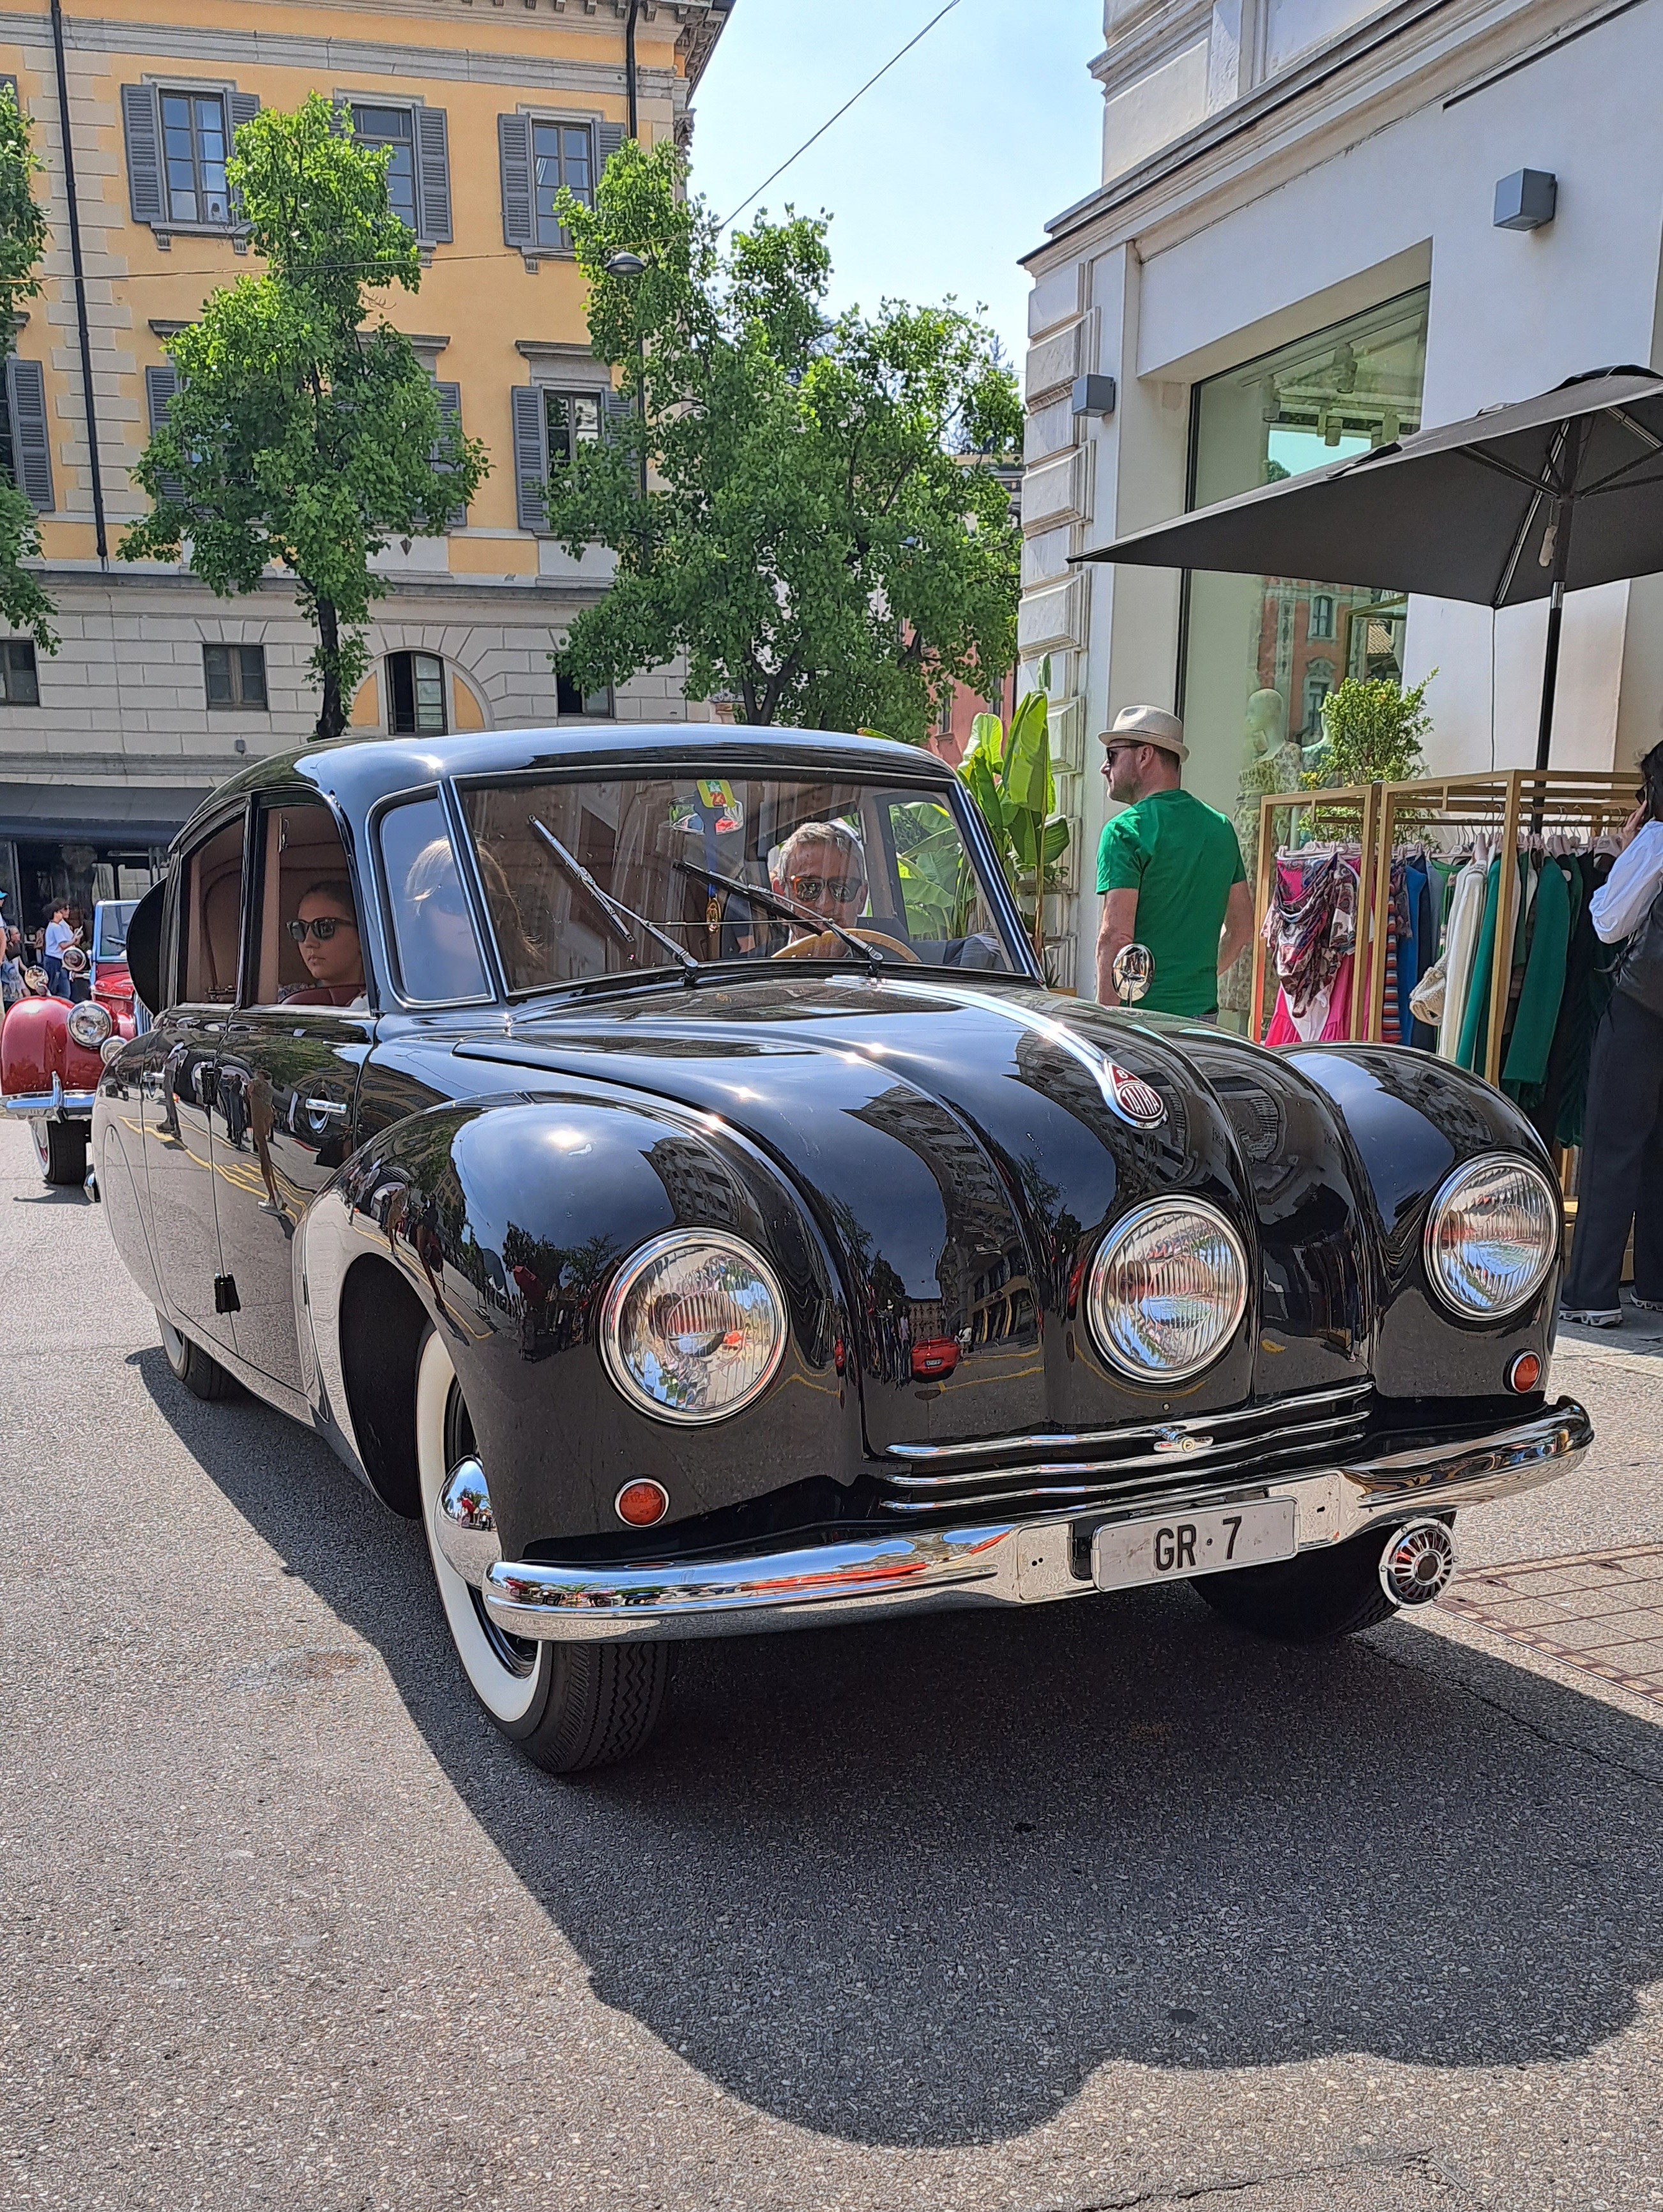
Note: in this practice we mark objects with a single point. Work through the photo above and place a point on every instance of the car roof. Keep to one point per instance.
(357, 772)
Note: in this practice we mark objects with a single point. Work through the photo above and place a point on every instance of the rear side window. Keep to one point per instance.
(433, 933)
(213, 918)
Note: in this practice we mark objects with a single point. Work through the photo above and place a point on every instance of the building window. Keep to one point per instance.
(392, 126)
(19, 685)
(194, 148)
(571, 419)
(590, 706)
(549, 428)
(562, 153)
(1256, 669)
(234, 675)
(25, 439)
(416, 695)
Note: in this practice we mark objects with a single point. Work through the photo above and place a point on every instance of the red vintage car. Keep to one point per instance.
(51, 1050)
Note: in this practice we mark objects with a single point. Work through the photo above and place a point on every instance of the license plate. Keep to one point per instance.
(1172, 1548)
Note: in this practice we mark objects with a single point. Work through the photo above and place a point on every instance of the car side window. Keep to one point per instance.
(433, 932)
(308, 949)
(212, 919)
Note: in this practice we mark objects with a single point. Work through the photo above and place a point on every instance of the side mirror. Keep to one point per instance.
(144, 946)
(1133, 972)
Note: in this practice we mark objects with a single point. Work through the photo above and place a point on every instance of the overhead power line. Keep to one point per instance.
(843, 110)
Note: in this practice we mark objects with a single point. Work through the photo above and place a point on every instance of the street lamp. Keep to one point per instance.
(625, 264)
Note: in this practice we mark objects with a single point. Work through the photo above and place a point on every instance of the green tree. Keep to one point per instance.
(23, 604)
(1371, 733)
(298, 435)
(826, 542)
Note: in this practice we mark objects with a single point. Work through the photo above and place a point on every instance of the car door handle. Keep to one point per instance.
(324, 1110)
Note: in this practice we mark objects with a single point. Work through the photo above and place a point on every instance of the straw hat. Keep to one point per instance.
(1149, 725)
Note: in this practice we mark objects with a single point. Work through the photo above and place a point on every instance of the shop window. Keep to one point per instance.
(178, 140)
(592, 705)
(20, 683)
(234, 675)
(416, 695)
(1255, 668)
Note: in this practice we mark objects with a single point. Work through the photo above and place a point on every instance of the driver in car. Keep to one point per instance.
(821, 865)
(326, 932)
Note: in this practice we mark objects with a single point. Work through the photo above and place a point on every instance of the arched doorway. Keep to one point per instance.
(412, 693)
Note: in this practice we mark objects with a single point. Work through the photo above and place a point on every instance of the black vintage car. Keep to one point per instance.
(651, 1157)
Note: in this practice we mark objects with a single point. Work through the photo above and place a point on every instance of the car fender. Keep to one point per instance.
(35, 1045)
(508, 1216)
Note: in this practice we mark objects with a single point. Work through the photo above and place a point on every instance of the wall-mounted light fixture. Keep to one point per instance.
(1526, 199)
(1093, 395)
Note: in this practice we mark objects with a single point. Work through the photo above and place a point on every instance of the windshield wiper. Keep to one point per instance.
(788, 909)
(615, 911)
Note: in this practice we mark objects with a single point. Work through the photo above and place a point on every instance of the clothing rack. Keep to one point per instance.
(1497, 803)
(1354, 807)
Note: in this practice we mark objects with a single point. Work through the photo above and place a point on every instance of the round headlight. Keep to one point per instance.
(693, 1327)
(89, 1024)
(1168, 1287)
(1492, 1236)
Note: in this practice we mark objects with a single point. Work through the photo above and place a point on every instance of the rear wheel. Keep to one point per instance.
(61, 1149)
(198, 1370)
(569, 1706)
(1315, 1598)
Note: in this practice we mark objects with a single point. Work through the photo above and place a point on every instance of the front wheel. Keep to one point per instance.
(1316, 1597)
(569, 1706)
(60, 1148)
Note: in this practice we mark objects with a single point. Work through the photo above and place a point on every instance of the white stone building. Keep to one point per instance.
(1294, 254)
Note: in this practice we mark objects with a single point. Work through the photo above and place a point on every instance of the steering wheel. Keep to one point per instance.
(828, 945)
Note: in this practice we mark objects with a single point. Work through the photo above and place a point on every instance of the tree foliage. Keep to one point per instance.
(1371, 732)
(23, 603)
(825, 540)
(297, 435)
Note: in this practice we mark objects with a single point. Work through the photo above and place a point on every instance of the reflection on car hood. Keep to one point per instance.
(962, 1147)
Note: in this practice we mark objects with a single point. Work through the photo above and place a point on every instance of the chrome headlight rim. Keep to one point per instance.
(1450, 1188)
(1124, 1230)
(89, 1024)
(612, 1315)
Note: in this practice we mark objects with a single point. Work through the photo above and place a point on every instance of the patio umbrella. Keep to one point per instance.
(1516, 504)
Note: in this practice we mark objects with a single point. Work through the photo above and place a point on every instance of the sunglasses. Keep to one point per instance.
(449, 902)
(1109, 752)
(844, 890)
(323, 928)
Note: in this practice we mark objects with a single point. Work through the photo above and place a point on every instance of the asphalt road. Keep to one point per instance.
(1104, 1906)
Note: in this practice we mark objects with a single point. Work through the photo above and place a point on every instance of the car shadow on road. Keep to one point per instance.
(914, 1883)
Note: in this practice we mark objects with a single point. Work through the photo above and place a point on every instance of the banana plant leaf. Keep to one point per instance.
(1026, 781)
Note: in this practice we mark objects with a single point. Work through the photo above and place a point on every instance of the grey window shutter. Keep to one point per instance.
(531, 457)
(608, 138)
(159, 385)
(433, 175)
(450, 418)
(31, 441)
(245, 107)
(513, 144)
(141, 126)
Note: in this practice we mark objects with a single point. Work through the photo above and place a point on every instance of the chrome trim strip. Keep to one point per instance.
(1078, 1440)
(998, 1563)
(1314, 1433)
(56, 1102)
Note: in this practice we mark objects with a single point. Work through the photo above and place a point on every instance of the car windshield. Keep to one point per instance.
(877, 863)
(110, 936)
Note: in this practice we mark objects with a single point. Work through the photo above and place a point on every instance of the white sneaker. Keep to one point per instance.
(1650, 1305)
(1593, 1317)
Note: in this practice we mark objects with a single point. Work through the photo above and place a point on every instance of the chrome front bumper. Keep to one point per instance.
(994, 1562)
(54, 1105)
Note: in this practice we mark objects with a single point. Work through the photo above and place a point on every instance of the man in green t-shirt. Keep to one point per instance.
(1169, 869)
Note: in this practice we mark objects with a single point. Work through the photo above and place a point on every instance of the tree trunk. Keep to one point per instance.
(331, 716)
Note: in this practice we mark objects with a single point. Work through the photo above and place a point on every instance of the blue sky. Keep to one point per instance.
(945, 171)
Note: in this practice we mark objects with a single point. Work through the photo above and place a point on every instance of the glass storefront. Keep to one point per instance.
(1261, 653)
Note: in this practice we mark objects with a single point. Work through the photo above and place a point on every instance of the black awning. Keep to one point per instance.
(97, 814)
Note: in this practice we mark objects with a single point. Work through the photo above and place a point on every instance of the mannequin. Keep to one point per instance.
(1271, 761)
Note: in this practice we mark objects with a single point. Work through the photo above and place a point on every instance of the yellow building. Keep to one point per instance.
(161, 689)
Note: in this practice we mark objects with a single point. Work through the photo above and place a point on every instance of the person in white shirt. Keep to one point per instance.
(1621, 1184)
(59, 935)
